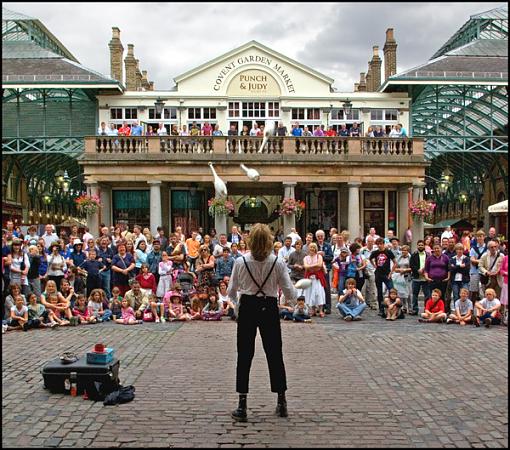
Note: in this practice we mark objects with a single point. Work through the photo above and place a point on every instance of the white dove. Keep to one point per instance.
(268, 132)
(219, 186)
(253, 175)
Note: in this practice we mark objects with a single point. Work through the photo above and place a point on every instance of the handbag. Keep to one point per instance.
(148, 316)
(484, 279)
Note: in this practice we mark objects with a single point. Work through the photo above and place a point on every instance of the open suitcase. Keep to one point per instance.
(93, 378)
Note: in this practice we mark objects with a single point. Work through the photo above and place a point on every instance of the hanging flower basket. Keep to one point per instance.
(292, 206)
(88, 204)
(220, 206)
(422, 209)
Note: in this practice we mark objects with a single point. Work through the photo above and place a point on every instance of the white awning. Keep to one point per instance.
(501, 207)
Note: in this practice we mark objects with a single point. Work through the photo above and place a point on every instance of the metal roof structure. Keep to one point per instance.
(460, 101)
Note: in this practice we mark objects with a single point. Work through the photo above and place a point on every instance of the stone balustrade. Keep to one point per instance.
(324, 147)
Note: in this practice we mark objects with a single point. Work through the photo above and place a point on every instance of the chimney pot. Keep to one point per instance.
(376, 50)
(115, 33)
(389, 35)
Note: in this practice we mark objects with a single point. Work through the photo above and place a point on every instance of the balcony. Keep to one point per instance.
(234, 148)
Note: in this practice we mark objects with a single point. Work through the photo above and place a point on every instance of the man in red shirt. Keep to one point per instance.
(331, 132)
(125, 130)
(434, 309)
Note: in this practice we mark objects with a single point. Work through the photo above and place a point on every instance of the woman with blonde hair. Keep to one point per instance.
(256, 276)
(315, 295)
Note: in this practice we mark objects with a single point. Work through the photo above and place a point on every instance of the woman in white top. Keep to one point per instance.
(257, 277)
(57, 266)
(19, 264)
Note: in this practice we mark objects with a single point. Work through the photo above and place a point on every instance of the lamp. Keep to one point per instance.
(463, 197)
(447, 175)
(66, 182)
(159, 104)
(347, 108)
(59, 176)
(47, 198)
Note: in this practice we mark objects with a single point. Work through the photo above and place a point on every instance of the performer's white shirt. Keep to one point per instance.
(240, 280)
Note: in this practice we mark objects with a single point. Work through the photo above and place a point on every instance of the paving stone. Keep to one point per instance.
(347, 388)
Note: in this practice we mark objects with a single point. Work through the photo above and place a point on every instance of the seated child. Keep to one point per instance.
(488, 309)
(228, 307)
(203, 296)
(37, 313)
(115, 303)
(393, 305)
(463, 311)
(195, 311)
(212, 311)
(18, 319)
(82, 311)
(58, 309)
(286, 309)
(95, 306)
(351, 303)
(128, 314)
(434, 309)
(301, 312)
(176, 310)
(154, 305)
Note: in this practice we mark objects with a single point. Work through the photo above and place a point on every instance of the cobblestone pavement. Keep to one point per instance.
(361, 384)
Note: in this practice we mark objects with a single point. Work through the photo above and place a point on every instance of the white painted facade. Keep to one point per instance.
(255, 73)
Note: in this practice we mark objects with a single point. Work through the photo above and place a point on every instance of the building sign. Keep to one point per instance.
(253, 82)
(254, 59)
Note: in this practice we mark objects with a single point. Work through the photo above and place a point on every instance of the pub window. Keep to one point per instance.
(152, 113)
(313, 114)
(116, 113)
(194, 113)
(390, 114)
(353, 115)
(376, 114)
(170, 113)
(337, 114)
(273, 109)
(298, 113)
(254, 109)
(209, 113)
(130, 113)
(233, 109)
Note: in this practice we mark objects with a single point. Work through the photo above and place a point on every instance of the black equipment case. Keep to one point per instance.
(58, 376)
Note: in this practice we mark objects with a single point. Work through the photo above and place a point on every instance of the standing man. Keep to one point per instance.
(281, 130)
(325, 250)
(417, 264)
(234, 237)
(49, 236)
(218, 248)
(136, 129)
(478, 248)
(381, 260)
(257, 277)
(437, 272)
(370, 294)
(286, 250)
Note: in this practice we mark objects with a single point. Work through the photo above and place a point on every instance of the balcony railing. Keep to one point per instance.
(279, 147)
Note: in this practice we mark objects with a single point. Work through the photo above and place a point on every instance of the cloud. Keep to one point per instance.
(172, 38)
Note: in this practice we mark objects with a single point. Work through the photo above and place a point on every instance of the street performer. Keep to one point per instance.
(257, 276)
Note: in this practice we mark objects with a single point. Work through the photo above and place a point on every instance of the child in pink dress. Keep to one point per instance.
(128, 315)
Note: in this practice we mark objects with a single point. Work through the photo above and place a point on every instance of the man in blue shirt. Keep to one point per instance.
(224, 266)
(296, 131)
(136, 129)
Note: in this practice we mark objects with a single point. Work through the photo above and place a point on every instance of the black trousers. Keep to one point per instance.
(257, 312)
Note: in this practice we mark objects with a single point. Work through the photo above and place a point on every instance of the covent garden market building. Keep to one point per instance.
(453, 107)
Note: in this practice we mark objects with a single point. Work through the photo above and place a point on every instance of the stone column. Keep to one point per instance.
(290, 220)
(403, 211)
(93, 219)
(417, 226)
(353, 223)
(106, 201)
(156, 217)
(220, 223)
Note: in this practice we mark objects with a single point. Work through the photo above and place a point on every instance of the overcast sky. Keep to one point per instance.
(172, 38)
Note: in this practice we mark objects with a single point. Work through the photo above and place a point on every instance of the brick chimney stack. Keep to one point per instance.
(362, 85)
(376, 69)
(390, 54)
(116, 52)
(138, 76)
(151, 85)
(130, 63)
(145, 81)
(370, 87)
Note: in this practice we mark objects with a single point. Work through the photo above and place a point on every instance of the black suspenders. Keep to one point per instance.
(260, 291)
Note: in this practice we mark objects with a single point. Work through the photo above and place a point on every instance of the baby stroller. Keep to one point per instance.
(186, 280)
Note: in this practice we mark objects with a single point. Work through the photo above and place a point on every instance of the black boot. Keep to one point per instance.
(239, 414)
(281, 406)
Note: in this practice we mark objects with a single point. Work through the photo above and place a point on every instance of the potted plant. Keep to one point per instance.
(422, 209)
(88, 204)
(290, 206)
(220, 206)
